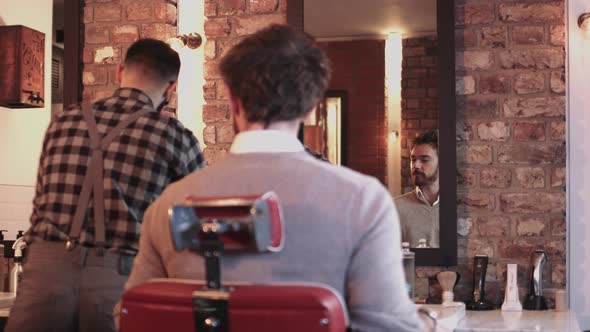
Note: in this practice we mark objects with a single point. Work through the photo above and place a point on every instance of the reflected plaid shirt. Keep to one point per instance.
(148, 155)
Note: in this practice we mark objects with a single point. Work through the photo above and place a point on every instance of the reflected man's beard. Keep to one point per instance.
(420, 178)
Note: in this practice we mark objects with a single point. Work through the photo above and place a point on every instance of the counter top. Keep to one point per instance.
(514, 321)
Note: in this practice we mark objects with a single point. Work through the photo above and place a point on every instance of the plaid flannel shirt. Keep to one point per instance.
(147, 156)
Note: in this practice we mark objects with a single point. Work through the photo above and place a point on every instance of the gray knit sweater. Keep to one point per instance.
(418, 220)
(342, 230)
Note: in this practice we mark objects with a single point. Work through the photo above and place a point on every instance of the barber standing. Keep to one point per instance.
(101, 166)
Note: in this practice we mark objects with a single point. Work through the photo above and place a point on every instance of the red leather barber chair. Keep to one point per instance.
(212, 226)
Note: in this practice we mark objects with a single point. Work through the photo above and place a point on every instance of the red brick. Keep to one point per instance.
(225, 133)
(557, 35)
(495, 178)
(139, 11)
(530, 226)
(465, 85)
(494, 84)
(475, 60)
(531, 154)
(477, 107)
(474, 13)
(88, 55)
(532, 59)
(493, 226)
(534, 107)
(96, 35)
(528, 35)
(88, 14)
(210, 49)
(211, 70)
(497, 131)
(95, 76)
(216, 113)
(217, 27)
(531, 12)
(557, 130)
(231, 7)
(245, 25)
(159, 31)
(557, 82)
(209, 135)
(494, 36)
(464, 131)
(535, 202)
(209, 90)
(475, 154)
(530, 177)
(107, 13)
(263, 6)
(558, 226)
(527, 131)
(210, 8)
(125, 33)
(529, 82)
(466, 177)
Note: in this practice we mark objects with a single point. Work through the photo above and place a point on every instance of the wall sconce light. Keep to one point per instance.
(192, 41)
(584, 21)
(393, 136)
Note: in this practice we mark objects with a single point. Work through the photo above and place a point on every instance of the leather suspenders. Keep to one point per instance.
(93, 184)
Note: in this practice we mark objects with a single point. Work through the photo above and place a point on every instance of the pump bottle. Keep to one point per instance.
(17, 268)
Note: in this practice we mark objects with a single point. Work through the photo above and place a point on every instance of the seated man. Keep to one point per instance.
(419, 208)
(341, 226)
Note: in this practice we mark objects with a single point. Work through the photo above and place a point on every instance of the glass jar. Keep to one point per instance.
(409, 268)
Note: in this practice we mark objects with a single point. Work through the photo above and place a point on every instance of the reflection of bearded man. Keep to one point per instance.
(419, 208)
(422, 179)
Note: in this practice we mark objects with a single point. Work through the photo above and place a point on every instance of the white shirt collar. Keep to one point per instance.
(265, 141)
(421, 197)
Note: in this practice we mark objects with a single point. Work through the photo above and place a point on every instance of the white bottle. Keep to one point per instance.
(422, 244)
(17, 269)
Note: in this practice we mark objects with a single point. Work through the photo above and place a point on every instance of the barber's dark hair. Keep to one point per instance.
(277, 73)
(428, 137)
(154, 56)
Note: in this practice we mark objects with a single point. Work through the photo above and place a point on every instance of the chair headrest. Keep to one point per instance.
(242, 223)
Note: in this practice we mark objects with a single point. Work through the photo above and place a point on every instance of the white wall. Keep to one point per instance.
(21, 130)
(578, 164)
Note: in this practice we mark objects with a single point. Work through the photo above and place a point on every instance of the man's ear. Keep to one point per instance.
(235, 105)
(119, 73)
(170, 89)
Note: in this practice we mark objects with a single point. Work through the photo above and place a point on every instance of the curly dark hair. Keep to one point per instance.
(428, 137)
(156, 57)
(277, 73)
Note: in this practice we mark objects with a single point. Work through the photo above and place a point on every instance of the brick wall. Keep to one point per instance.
(110, 27)
(419, 96)
(510, 141)
(227, 22)
(358, 67)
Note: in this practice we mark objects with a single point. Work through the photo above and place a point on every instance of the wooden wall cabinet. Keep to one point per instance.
(22, 61)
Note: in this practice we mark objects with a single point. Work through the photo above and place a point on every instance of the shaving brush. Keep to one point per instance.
(447, 281)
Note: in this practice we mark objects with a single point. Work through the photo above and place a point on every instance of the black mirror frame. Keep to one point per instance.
(446, 255)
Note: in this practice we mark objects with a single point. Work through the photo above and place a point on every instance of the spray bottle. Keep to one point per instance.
(2, 271)
(17, 269)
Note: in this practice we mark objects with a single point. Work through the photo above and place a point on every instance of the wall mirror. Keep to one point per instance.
(393, 76)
